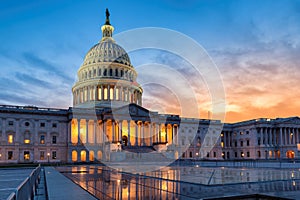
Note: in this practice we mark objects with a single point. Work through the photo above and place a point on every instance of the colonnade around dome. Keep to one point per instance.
(107, 92)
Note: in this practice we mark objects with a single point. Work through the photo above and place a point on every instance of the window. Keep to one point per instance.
(54, 125)
(222, 144)
(10, 155)
(42, 155)
(26, 155)
(215, 154)
(258, 141)
(242, 143)
(241, 133)
(248, 142)
(235, 154)
(191, 154)
(42, 124)
(26, 141)
(247, 132)
(42, 139)
(27, 124)
(207, 155)
(183, 155)
(53, 139)
(10, 123)
(248, 154)
(258, 154)
(53, 154)
(10, 139)
(235, 143)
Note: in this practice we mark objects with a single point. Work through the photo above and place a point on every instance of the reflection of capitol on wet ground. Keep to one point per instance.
(180, 182)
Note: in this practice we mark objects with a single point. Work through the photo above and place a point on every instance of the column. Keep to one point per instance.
(288, 130)
(113, 130)
(284, 136)
(280, 135)
(78, 130)
(128, 129)
(102, 93)
(295, 136)
(136, 133)
(120, 131)
(150, 134)
(143, 133)
(271, 136)
(104, 132)
(96, 93)
(174, 134)
(298, 136)
(108, 92)
(87, 131)
(159, 133)
(95, 133)
(171, 141)
(265, 136)
(166, 130)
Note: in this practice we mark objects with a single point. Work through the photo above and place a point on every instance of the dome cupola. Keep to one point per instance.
(106, 78)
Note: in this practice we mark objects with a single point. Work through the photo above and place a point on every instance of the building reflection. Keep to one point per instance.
(181, 182)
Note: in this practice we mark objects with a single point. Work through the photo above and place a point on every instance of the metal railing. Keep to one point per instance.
(27, 188)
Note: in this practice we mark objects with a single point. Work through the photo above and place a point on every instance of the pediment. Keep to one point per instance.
(132, 110)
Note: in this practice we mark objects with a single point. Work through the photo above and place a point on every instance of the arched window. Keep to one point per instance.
(92, 156)
(116, 72)
(83, 155)
(99, 155)
(105, 72)
(99, 72)
(110, 72)
(74, 155)
(111, 93)
(105, 94)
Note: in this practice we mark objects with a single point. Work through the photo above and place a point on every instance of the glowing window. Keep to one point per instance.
(74, 156)
(26, 141)
(105, 94)
(10, 139)
(83, 156)
(111, 93)
(117, 93)
(92, 156)
(42, 155)
(42, 139)
(26, 155)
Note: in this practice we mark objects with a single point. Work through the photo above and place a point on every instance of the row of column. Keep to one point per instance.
(102, 132)
(269, 136)
(106, 92)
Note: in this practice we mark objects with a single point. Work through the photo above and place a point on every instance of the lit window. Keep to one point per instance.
(53, 154)
(42, 139)
(242, 154)
(222, 144)
(26, 155)
(26, 141)
(42, 155)
(10, 139)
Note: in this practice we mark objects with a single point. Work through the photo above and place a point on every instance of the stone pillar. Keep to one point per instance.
(95, 132)
(96, 93)
(102, 93)
(271, 136)
(166, 130)
(150, 134)
(78, 130)
(298, 137)
(104, 131)
(108, 92)
(113, 130)
(172, 137)
(159, 133)
(128, 128)
(87, 131)
(284, 136)
(280, 137)
(136, 133)
(143, 133)
(120, 131)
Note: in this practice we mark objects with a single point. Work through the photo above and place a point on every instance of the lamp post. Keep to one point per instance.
(48, 156)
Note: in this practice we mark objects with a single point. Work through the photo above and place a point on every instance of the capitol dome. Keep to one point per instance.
(106, 78)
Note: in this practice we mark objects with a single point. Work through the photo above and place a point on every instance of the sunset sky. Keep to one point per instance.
(254, 43)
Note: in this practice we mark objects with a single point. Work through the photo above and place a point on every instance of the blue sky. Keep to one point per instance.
(255, 44)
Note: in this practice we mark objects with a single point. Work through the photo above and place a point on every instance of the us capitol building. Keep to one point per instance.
(108, 123)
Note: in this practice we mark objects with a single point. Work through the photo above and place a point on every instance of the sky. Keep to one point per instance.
(254, 43)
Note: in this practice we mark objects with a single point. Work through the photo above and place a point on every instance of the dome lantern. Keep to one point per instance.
(107, 28)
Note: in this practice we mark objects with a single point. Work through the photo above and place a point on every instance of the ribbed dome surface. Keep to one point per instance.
(107, 51)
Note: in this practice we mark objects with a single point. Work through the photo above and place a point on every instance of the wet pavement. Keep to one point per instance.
(185, 182)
